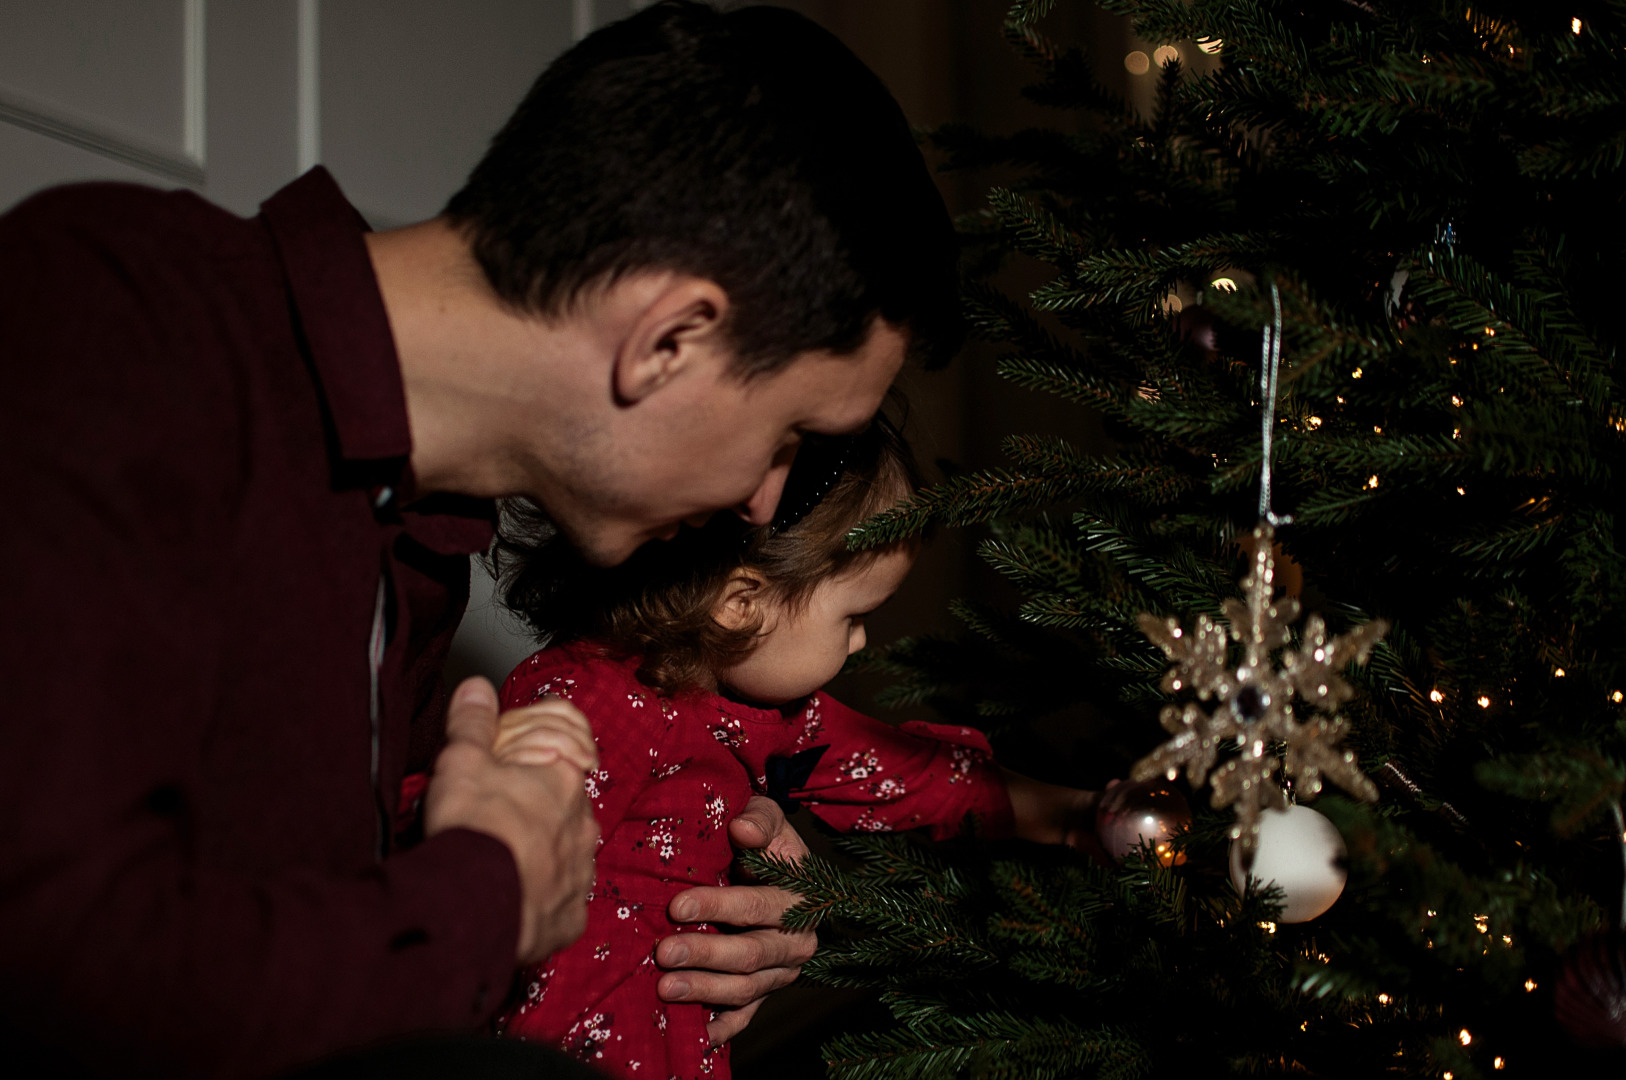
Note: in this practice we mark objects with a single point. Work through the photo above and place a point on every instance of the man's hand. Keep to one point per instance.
(540, 810)
(545, 732)
(737, 969)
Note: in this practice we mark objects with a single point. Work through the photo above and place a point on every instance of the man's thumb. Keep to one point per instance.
(472, 715)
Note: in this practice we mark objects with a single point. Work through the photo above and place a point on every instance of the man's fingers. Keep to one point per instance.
(732, 905)
(539, 746)
(472, 715)
(731, 1022)
(716, 988)
(762, 824)
(550, 719)
(737, 954)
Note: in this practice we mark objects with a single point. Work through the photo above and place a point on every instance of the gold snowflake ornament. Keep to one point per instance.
(1253, 701)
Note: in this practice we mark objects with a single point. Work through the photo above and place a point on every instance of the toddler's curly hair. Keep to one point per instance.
(658, 604)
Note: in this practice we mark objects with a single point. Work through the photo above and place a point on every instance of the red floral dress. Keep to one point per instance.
(672, 773)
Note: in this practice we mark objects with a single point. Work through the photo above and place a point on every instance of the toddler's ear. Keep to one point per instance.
(741, 603)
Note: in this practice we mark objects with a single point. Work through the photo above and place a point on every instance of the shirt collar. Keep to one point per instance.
(318, 237)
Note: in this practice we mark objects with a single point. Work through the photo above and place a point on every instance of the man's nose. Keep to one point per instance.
(760, 508)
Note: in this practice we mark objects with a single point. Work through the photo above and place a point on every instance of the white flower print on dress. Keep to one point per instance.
(559, 686)
(587, 1037)
(661, 838)
(889, 790)
(661, 771)
(596, 784)
(812, 722)
(860, 764)
(636, 699)
(962, 759)
(713, 813)
(729, 731)
(869, 822)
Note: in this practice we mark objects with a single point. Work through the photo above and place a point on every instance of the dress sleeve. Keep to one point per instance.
(876, 777)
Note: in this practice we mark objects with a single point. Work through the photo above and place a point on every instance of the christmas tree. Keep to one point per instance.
(1425, 198)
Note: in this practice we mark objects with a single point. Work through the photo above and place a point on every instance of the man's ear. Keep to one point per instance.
(741, 604)
(682, 320)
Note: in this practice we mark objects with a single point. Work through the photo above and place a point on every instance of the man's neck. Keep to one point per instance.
(458, 346)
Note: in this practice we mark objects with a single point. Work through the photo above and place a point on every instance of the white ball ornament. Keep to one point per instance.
(1299, 852)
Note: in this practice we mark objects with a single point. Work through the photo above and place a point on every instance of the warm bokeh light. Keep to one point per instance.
(1435, 696)
(1529, 985)
(1484, 702)
(1138, 63)
(1464, 1038)
(1558, 673)
(1165, 54)
(1211, 47)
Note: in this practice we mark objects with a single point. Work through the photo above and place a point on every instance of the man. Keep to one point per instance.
(246, 462)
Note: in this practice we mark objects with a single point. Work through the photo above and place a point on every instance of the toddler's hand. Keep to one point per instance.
(548, 731)
(1053, 814)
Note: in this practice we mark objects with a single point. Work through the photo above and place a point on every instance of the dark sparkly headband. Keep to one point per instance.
(820, 461)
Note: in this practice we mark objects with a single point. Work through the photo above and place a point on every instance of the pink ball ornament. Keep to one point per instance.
(1590, 1000)
(1149, 810)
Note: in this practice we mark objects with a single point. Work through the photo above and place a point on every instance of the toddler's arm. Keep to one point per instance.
(1051, 813)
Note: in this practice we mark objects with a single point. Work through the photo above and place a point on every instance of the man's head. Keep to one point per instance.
(725, 227)
(749, 148)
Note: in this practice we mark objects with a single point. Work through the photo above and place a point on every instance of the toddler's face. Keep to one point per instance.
(799, 651)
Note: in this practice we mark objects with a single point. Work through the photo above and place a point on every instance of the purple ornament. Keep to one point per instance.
(1590, 1000)
(1149, 810)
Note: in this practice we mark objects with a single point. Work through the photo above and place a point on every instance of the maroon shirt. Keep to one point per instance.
(203, 457)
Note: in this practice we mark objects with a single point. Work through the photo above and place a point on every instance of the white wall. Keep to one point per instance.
(234, 98)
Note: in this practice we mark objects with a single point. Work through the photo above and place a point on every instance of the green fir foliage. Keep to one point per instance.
(1435, 191)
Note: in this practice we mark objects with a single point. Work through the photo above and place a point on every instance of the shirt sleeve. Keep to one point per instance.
(125, 952)
(876, 777)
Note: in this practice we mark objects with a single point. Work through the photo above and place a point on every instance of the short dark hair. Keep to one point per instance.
(658, 605)
(749, 147)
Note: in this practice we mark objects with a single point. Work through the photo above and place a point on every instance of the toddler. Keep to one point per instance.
(699, 663)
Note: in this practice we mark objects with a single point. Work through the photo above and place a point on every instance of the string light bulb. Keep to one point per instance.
(1529, 986)
(1383, 999)
(1617, 697)
(1558, 673)
(1498, 1064)
(1223, 284)
(1484, 702)
(1464, 1037)
(1575, 28)
(1435, 696)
